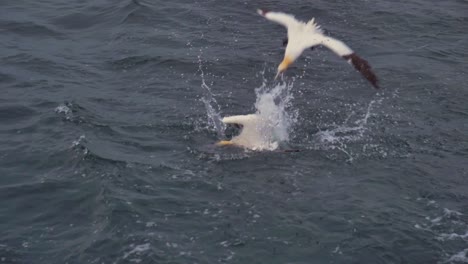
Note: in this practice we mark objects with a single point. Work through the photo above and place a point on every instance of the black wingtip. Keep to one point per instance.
(363, 67)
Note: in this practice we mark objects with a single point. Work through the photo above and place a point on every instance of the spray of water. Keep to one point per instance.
(346, 131)
(340, 136)
(275, 115)
(211, 105)
(272, 121)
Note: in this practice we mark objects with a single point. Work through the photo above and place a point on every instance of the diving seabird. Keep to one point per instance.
(250, 135)
(303, 35)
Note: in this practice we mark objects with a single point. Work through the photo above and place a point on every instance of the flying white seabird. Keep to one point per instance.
(303, 35)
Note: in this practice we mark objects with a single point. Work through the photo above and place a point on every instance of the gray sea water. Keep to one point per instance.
(109, 111)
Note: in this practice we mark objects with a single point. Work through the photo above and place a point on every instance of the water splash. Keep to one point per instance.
(449, 227)
(137, 250)
(275, 115)
(211, 105)
(347, 131)
(339, 136)
(65, 110)
(270, 125)
(461, 257)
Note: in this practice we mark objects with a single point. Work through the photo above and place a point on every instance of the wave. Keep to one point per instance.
(29, 29)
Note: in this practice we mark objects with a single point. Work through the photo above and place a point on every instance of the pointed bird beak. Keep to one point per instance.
(278, 74)
(283, 66)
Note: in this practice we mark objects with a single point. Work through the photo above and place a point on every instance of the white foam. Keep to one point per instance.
(459, 257)
(273, 107)
(271, 123)
(171, 245)
(445, 222)
(224, 243)
(137, 250)
(274, 120)
(347, 132)
(78, 141)
(337, 250)
(351, 130)
(448, 212)
(150, 224)
(211, 105)
(452, 236)
(436, 220)
(62, 109)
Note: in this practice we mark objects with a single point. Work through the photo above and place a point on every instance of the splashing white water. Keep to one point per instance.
(272, 121)
(449, 228)
(270, 125)
(347, 132)
(211, 105)
(65, 110)
(339, 136)
(274, 116)
(138, 250)
(461, 256)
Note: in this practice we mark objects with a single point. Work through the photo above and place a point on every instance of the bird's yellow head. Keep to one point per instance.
(284, 65)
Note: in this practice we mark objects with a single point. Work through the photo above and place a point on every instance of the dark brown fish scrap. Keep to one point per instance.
(264, 11)
(363, 67)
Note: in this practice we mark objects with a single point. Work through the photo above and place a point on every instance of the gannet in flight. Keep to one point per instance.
(303, 35)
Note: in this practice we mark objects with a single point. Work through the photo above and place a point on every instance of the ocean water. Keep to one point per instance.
(110, 111)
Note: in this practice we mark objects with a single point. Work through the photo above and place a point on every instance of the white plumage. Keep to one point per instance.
(250, 135)
(302, 36)
(257, 132)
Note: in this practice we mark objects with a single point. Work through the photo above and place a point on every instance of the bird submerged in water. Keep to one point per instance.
(303, 35)
(250, 135)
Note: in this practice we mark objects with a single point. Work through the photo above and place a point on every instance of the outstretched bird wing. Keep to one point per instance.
(240, 119)
(348, 54)
(317, 38)
(283, 19)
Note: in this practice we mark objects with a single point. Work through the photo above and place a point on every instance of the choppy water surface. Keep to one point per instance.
(110, 109)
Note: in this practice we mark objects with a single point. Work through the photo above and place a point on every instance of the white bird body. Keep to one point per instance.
(249, 135)
(302, 36)
(256, 132)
